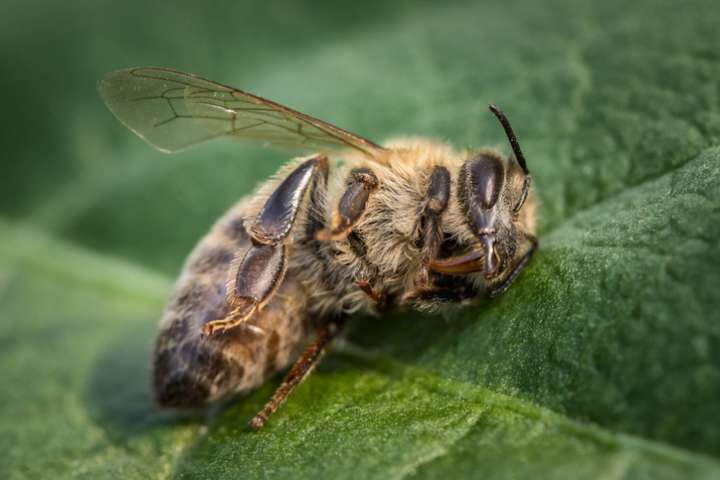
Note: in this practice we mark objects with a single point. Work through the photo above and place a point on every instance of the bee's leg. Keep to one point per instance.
(379, 297)
(258, 276)
(439, 294)
(519, 267)
(300, 370)
(276, 219)
(428, 236)
(262, 268)
(428, 232)
(362, 181)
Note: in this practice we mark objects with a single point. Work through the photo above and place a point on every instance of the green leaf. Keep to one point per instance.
(603, 360)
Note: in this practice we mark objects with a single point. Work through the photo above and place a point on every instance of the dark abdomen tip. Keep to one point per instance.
(180, 390)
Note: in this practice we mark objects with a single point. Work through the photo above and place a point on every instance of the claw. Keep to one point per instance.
(236, 317)
(379, 298)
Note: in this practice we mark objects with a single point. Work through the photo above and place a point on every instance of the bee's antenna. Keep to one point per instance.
(511, 137)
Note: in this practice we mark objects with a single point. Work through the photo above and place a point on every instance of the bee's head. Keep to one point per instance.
(491, 191)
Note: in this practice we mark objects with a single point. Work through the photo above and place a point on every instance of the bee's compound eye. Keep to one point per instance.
(485, 178)
(481, 181)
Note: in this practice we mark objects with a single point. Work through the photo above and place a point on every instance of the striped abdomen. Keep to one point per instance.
(189, 369)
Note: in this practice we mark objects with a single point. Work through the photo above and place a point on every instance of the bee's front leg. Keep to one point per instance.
(262, 268)
(522, 262)
(435, 295)
(428, 233)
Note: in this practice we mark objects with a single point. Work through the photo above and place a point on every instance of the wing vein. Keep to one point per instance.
(211, 110)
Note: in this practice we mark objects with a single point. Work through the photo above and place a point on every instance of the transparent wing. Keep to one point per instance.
(173, 110)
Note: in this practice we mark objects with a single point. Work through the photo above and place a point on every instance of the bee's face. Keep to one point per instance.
(490, 191)
(488, 195)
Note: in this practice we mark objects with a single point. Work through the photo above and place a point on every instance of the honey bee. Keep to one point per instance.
(412, 223)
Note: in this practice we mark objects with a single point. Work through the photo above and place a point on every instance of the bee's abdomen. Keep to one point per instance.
(190, 370)
(186, 367)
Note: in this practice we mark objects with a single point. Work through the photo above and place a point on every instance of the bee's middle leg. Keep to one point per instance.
(361, 183)
(262, 268)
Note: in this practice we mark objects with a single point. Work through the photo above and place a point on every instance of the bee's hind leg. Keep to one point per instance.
(262, 268)
(300, 370)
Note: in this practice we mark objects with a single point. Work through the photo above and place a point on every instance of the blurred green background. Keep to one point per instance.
(604, 359)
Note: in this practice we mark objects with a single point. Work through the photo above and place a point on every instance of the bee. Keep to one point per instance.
(355, 226)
